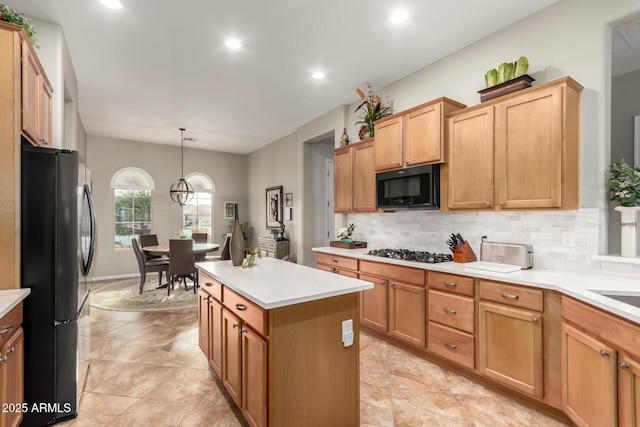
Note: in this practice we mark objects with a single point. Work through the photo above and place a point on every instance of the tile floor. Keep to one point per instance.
(147, 370)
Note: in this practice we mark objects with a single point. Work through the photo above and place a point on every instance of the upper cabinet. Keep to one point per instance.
(36, 98)
(415, 136)
(354, 180)
(519, 151)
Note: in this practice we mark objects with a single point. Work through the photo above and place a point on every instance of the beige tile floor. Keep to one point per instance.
(147, 370)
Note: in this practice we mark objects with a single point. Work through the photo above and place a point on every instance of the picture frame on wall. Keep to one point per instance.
(288, 199)
(274, 206)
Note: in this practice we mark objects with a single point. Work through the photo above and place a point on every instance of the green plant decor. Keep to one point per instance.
(506, 71)
(9, 15)
(345, 233)
(370, 110)
(624, 183)
(250, 260)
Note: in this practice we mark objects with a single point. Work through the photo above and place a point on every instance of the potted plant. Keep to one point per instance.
(624, 188)
(9, 15)
(370, 110)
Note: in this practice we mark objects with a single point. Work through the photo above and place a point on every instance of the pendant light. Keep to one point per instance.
(181, 191)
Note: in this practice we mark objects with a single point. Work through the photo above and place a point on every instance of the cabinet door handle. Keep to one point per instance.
(235, 325)
(534, 320)
(393, 285)
(604, 353)
(242, 331)
(450, 284)
(624, 365)
(451, 346)
(446, 310)
(241, 307)
(509, 296)
(398, 163)
(5, 329)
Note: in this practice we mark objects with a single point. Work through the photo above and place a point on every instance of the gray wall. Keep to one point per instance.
(107, 156)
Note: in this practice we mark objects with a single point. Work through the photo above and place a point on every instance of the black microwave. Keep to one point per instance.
(417, 187)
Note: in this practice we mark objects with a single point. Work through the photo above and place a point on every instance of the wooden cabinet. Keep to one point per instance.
(210, 321)
(203, 320)
(354, 178)
(600, 366)
(273, 248)
(414, 136)
(232, 355)
(254, 377)
(589, 375)
(215, 335)
(374, 303)
(36, 98)
(519, 151)
(337, 264)
(452, 318)
(397, 303)
(11, 366)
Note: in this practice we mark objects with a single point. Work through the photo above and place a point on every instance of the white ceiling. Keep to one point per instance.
(154, 66)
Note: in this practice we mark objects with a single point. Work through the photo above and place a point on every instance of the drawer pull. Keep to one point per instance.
(384, 282)
(509, 296)
(534, 320)
(624, 365)
(604, 353)
(449, 345)
(242, 331)
(450, 284)
(335, 260)
(5, 329)
(241, 307)
(446, 310)
(208, 284)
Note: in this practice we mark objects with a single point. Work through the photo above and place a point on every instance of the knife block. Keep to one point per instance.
(464, 254)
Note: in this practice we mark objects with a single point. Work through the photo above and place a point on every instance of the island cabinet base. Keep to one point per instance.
(313, 379)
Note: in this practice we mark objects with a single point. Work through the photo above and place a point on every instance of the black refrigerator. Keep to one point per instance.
(56, 249)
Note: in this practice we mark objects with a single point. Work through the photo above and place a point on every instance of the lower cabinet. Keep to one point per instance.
(600, 366)
(407, 309)
(254, 377)
(11, 367)
(203, 320)
(215, 336)
(231, 356)
(374, 304)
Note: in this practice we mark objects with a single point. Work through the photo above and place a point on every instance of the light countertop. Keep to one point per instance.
(273, 283)
(578, 285)
(10, 298)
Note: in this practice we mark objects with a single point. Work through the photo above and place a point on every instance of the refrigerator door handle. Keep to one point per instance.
(87, 220)
(63, 322)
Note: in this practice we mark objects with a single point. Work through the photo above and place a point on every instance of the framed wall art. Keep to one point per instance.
(288, 199)
(274, 206)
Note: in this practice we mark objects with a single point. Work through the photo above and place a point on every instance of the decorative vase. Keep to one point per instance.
(629, 230)
(363, 132)
(236, 243)
(347, 240)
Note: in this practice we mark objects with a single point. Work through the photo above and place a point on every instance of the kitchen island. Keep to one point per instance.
(283, 338)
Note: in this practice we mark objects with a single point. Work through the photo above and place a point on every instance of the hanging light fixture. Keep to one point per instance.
(181, 191)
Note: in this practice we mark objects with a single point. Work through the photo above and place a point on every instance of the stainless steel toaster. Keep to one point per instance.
(507, 253)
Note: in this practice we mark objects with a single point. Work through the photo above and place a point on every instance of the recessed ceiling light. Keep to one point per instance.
(111, 4)
(399, 17)
(318, 75)
(233, 43)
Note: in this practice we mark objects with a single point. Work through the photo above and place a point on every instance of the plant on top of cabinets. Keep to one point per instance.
(413, 136)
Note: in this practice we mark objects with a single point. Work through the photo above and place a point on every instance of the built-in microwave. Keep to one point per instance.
(417, 187)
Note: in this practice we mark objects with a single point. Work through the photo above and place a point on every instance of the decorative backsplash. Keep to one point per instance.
(429, 230)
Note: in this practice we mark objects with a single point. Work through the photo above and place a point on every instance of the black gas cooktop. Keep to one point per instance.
(408, 255)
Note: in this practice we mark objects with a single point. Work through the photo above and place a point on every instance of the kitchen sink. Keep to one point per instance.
(625, 297)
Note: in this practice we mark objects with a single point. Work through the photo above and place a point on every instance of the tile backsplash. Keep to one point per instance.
(562, 240)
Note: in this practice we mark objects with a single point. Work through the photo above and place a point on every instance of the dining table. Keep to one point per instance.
(199, 249)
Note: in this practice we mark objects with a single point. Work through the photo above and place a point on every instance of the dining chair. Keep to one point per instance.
(224, 251)
(149, 240)
(181, 264)
(149, 266)
(199, 237)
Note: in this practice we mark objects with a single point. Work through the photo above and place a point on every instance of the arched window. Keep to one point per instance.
(132, 204)
(197, 215)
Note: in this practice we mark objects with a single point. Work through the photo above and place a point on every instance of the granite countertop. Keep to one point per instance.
(273, 283)
(10, 298)
(578, 285)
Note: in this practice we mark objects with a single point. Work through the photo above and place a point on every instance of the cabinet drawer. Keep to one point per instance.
(452, 310)
(337, 261)
(414, 276)
(516, 296)
(10, 323)
(210, 285)
(451, 283)
(267, 244)
(246, 310)
(452, 344)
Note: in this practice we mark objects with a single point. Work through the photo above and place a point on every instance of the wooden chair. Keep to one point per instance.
(150, 240)
(149, 266)
(181, 264)
(199, 237)
(224, 251)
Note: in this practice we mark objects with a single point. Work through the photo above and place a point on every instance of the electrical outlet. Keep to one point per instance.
(347, 332)
(568, 239)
